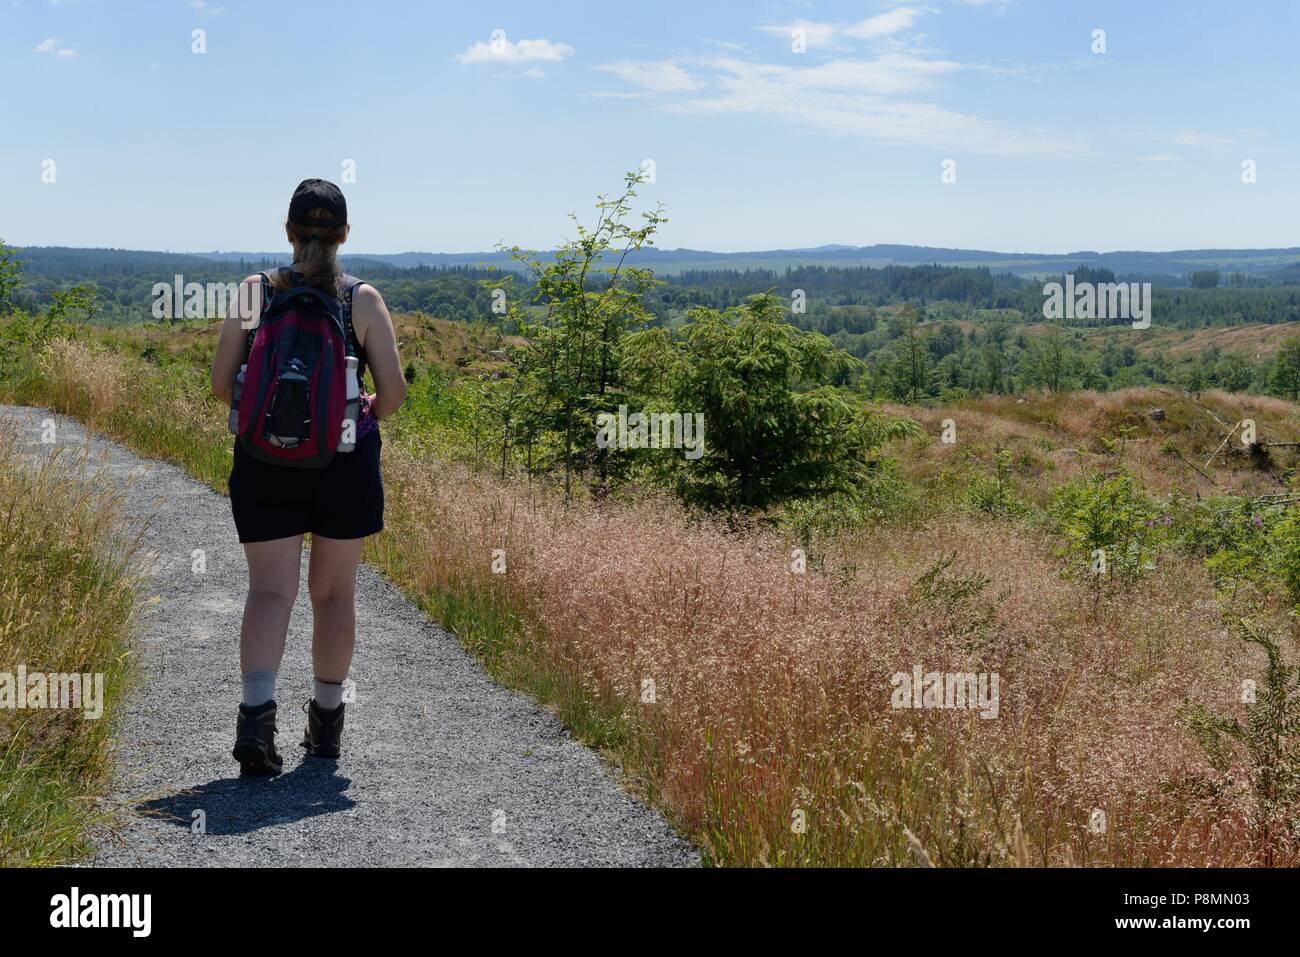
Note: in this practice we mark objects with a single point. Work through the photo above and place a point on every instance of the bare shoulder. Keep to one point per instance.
(247, 304)
(250, 281)
(367, 306)
(368, 311)
(367, 296)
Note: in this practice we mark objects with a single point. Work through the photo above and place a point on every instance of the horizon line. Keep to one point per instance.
(824, 248)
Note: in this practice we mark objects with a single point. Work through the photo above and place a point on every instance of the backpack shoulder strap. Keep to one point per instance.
(268, 292)
(350, 284)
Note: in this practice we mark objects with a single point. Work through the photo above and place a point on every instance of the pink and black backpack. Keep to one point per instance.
(293, 400)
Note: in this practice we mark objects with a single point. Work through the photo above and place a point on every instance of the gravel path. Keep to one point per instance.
(440, 765)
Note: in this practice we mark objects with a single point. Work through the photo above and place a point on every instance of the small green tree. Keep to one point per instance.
(1194, 378)
(994, 367)
(771, 434)
(10, 275)
(1270, 735)
(1108, 525)
(75, 307)
(1286, 369)
(585, 299)
(1048, 360)
(995, 494)
(24, 334)
(912, 360)
(1286, 554)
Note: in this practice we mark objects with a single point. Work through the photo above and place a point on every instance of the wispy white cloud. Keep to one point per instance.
(502, 50)
(814, 34)
(206, 10)
(885, 24)
(817, 33)
(876, 99)
(1206, 142)
(1191, 145)
(50, 45)
(880, 85)
(663, 76)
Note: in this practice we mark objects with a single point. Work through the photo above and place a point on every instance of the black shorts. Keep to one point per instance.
(343, 500)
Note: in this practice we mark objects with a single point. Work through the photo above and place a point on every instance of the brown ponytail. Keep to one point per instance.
(318, 248)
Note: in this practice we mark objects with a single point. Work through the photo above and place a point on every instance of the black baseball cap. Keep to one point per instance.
(314, 194)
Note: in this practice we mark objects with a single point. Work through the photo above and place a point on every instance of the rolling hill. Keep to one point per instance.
(673, 261)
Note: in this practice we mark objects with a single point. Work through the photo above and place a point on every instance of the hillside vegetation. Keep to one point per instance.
(772, 693)
(734, 629)
(925, 329)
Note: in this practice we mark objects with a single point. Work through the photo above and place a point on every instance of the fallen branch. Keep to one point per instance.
(1226, 439)
(1276, 499)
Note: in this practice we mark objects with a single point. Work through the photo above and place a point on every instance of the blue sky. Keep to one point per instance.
(461, 141)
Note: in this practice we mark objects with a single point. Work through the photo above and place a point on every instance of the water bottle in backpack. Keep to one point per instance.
(351, 409)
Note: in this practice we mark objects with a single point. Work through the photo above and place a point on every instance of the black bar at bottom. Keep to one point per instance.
(183, 906)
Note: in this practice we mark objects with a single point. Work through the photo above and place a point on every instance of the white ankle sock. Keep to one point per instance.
(328, 694)
(259, 687)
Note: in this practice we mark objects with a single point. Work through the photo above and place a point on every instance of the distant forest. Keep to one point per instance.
(923, 332)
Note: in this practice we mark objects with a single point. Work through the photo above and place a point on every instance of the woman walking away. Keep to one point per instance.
(291, 363)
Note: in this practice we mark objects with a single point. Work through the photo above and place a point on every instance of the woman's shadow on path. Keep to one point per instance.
(240, 805)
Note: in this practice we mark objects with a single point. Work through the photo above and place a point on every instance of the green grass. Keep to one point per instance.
(68, 598)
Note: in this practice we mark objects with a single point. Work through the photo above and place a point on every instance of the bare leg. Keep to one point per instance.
(273, 569)
(332, 583)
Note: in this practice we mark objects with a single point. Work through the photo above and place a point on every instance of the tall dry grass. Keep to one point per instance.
(773, 694)
(168, 414)
(66, 603)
